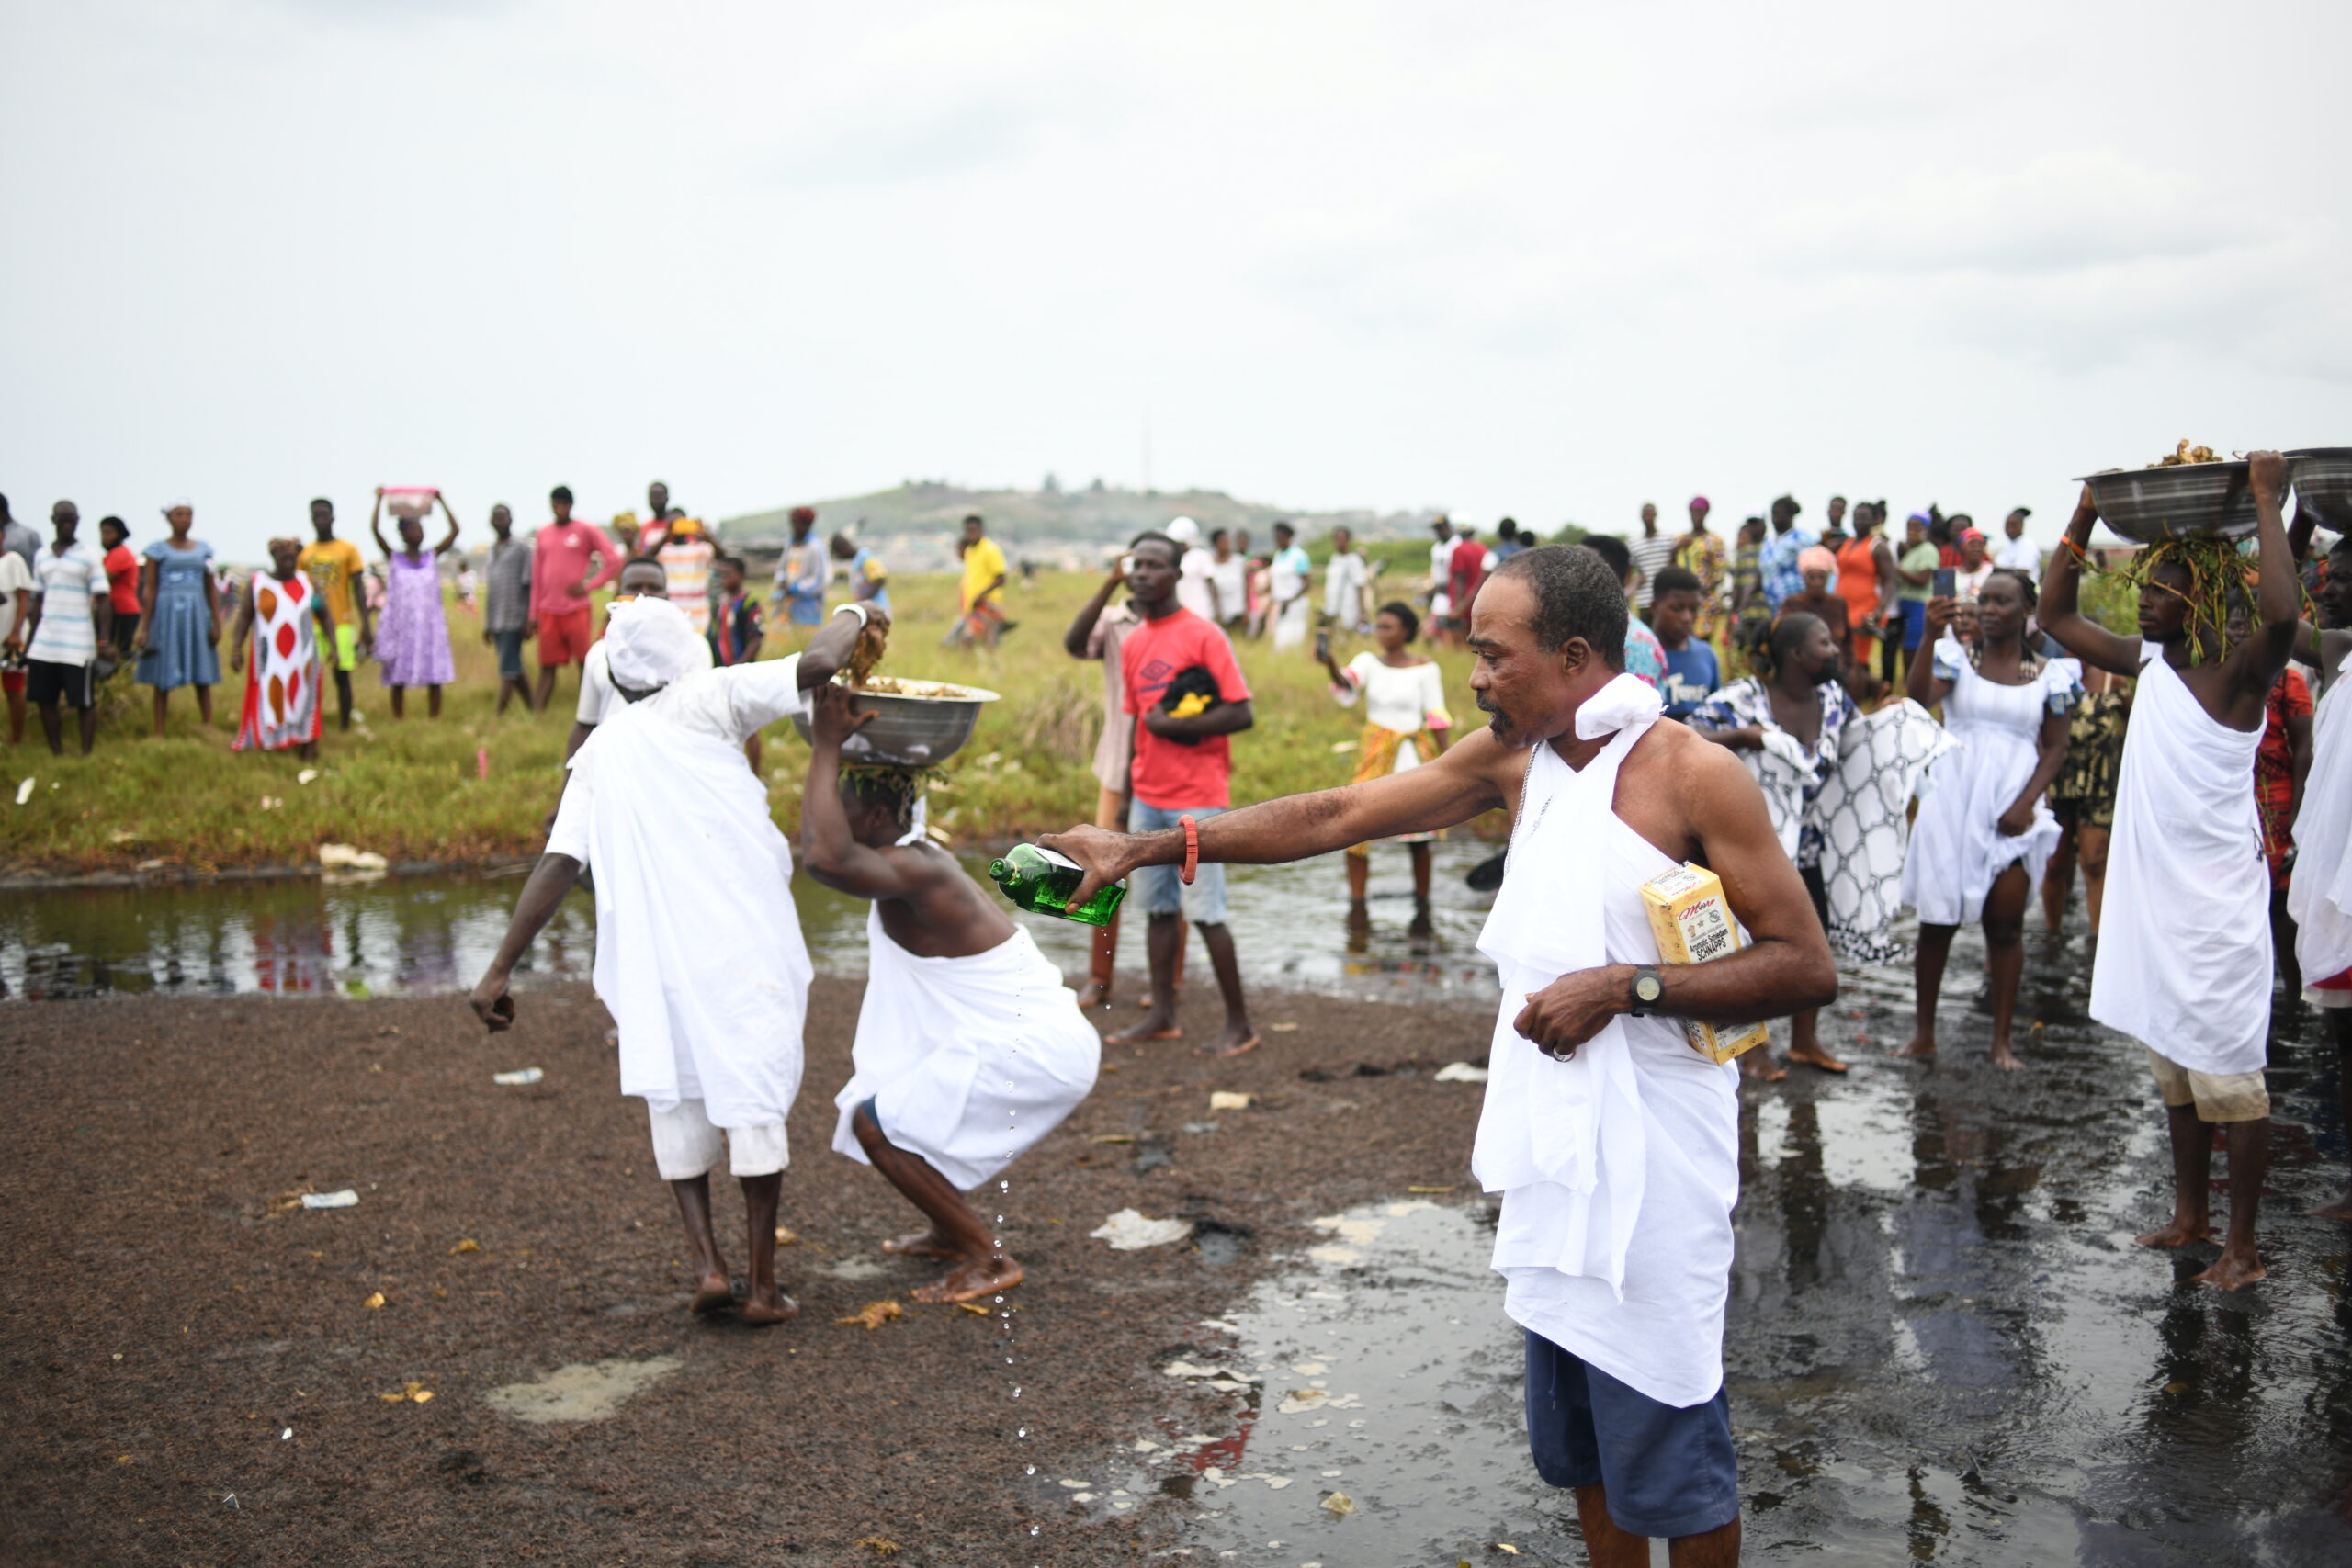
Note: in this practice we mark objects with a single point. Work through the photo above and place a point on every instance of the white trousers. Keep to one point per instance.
(687, 1145)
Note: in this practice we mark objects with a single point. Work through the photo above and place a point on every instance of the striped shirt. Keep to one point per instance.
(67, 634)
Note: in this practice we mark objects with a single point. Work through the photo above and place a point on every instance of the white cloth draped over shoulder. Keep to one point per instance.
(2184, 947)
(699, 947)
(1619, 1167)
(968, 1061)
(1957, 847)
(2320, 896)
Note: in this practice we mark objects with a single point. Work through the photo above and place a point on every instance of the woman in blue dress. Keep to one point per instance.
(180, 619)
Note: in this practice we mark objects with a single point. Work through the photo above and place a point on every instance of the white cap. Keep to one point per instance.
(650, 643)
(1185, 531)
(178, 501)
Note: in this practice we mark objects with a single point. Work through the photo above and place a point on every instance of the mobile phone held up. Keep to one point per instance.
(1946, 584)
(1323, 643)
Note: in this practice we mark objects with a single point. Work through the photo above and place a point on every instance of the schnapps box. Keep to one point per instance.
(1693, 924)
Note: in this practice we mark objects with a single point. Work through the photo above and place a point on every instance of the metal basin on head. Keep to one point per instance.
(916, 724)
(2323, 482)
(2151, 504)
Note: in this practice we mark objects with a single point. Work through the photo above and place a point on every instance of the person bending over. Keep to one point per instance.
(969, 1048)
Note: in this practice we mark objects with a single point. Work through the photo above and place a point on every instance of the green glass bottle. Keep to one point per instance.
(1041, 881)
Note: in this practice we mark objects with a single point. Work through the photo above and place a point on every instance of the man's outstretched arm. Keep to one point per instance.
(1441, 794)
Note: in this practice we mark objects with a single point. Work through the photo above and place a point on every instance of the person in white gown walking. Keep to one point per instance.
(1984, 833)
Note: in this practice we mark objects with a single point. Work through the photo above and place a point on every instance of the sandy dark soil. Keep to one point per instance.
(169, 1316)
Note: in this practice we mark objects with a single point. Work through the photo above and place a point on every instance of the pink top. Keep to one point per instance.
(560, 553)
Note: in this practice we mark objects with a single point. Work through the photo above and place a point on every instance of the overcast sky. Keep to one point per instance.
(1551, 260)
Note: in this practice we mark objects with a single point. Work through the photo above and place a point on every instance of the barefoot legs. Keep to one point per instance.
(984, 1267)
(710, 1269)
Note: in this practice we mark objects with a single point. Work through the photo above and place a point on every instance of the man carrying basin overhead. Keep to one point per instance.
(1614, 1143)
(709, 1012)
(969, 1048)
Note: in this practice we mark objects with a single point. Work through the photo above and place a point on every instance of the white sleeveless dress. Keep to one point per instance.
(1619, 1169)
(2184, 946)
(1957, 846)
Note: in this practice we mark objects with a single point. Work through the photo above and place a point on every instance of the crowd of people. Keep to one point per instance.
(1840, 727)
(72, 617)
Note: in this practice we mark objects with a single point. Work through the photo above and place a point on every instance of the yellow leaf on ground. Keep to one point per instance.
(785, 1238)
(874, 1315)
(1338, 1505)
(1428, 1189)
(974, 1307)
(372, 1303)
(884, 1548)
(469, 1245)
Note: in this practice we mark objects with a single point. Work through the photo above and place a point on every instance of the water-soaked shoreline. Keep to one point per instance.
(1942, 1344)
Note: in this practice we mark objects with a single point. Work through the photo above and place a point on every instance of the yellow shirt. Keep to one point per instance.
(333, 567)
(983, 564)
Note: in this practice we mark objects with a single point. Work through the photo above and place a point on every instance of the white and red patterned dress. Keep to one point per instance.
(282, 686)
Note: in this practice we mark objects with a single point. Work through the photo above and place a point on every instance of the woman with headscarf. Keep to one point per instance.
(1983, 835)
(1817, 598)
(284, 613)
(699, 953)
(1976, 568)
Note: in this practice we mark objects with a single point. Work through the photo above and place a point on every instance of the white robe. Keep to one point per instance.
(1619, 1169)
(2320, 895)
(2184, 946)
(699, 947)
(968, 1061)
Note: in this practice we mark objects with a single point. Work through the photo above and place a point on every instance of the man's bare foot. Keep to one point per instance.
(924, 1243)
(1921, 1045)
(2234, 1271)
(967, 1281)
(1759, 1065)
(2180, 1233)
(2005, 1058)
(1814, 1057)
(1153, 1025)
(713, 1293)
(775, 1307)
(1232, 1041)
(1094, 994)
(2339, 1210)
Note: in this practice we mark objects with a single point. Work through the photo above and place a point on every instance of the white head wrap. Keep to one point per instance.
(650, 643)
(1185, 531)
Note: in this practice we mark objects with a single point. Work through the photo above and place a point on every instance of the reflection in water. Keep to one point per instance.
(424, 934)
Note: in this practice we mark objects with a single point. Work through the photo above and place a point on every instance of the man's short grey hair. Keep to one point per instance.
(1575, 595)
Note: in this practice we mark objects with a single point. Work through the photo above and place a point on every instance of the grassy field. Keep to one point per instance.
(474, 786)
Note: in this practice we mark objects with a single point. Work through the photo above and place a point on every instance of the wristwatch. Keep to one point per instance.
(1648, 991)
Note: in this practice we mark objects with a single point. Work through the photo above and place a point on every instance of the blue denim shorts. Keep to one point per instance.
(510, 653)
(1667, 1471)
(1159, 889)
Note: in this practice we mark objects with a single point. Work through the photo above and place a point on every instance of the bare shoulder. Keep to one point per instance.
(1678, 790)
(1676, 756)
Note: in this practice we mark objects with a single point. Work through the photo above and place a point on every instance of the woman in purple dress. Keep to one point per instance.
(412, 635)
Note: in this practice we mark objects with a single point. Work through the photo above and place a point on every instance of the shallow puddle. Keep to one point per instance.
(420, 935)
(1942, 1346)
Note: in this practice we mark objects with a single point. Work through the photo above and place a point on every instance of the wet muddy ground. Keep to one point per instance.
(1943, 1346)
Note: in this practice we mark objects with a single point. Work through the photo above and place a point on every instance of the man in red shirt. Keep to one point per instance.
(1465, 571)
(561, 585)
(1183, 767)
(122, 582)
